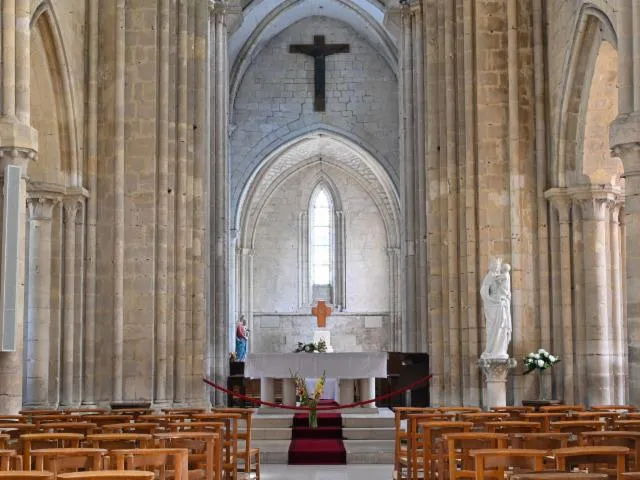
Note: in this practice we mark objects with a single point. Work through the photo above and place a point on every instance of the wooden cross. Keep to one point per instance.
(319, 50)
(321, 312)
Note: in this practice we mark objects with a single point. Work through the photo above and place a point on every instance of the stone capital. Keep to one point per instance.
(595, 200)
(71, 206)
(496, 369)
(16, 156)
(624, 138)
(561, 201)
(41, 208)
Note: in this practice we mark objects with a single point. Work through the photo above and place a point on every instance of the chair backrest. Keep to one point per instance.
(25, 475)
(86, 411)
(108, 475)
(615, 408)
(107, 419)
(567, 458)
(162, 419)
(183, 411)
(633, 425)
(58, 460)
(512, 426)
(562, 408)
(156, 458)
(577, 426)
(6, 456)
(480, 418)
(540, 441)
(135, 427)
(545, 418)
(204, 448)
(120, 441)
(30, 441)
(70, 427)
(460, 444)
(559, 476)
(4, 440)
(499, 459)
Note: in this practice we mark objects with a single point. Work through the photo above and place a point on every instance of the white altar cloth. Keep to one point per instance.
(311, 365)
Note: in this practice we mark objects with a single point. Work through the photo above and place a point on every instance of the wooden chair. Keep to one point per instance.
(204, 450)
(59, 460)
(614, 408)
(118, 441)
(86, 411)
(544, 419)
(162, 419)
(15, 429)
(230, 442)
(108, 419)
(448, 408)
(109, 475)
(562, 408)
(13, 418)
(514, 411)
(4, 440)
(541, 441)
(39, 411)
(576, 427)
(157, 459)
(633, 425)
(593, 458)
(6, 458)
(183, 411)
(24, 475)
(429, 453)
(249, 455)
(135, 412)
(619, 438)
(400, 461)
(85, 428)
(512, 426)
(31, 441)
(559, 476)
(460, 444)
(38, 420)
(480, 418)
(494, 461)
(148, 428)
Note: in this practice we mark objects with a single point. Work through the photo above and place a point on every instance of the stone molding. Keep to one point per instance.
(41, 208)
(16, 156)
(496, 369)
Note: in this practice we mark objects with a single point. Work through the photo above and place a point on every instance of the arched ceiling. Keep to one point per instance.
(323, 148)
(262, 20)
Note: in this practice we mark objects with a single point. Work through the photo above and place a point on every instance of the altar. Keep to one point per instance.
(346, 367)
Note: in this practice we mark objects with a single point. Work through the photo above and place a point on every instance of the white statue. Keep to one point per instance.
(496, 300)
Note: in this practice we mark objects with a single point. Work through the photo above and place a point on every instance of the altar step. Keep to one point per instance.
(368, 436)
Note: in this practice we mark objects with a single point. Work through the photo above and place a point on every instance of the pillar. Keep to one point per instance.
(625, 142)
(595, 203)
(68, 321)
(617, 313)
(495, 372)
(37, 355)
(562, 203)
(219, 198)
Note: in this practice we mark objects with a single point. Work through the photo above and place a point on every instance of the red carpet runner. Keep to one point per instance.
(317, 446)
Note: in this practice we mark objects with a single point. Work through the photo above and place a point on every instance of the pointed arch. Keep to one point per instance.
(593, 27)
(45, 22)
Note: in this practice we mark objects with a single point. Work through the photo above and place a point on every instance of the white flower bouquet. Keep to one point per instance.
(540, 360)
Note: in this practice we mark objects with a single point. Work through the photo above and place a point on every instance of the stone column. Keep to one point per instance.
(18, 145)
(617, 313)
(288, 391)
(495, 372)
(68, 322)
(625, 142)
(562, 203)
(594, 203)
(219, 198)
(11, 361)
(38, 302)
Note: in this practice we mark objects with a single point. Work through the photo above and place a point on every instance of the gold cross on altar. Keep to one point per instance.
(321, 312)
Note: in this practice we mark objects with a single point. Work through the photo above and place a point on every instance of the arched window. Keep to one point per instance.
(322, 249)
(321, 235)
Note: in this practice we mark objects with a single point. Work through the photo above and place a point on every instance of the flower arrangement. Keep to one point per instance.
(320, 347)
(540, 360)
(309, 400)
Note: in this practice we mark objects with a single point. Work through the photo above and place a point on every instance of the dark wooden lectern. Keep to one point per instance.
(402, 370)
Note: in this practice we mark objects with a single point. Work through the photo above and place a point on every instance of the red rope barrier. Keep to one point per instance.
(411, 386)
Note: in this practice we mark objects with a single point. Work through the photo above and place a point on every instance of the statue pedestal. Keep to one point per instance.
(495, 372)
(324, 335)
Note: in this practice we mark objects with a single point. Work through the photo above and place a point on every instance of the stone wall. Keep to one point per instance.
(275, 99)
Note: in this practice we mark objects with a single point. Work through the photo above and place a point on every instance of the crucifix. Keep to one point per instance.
(319, 50)
(321, 312)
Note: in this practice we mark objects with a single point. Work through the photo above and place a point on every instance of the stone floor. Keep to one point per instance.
(326, 472)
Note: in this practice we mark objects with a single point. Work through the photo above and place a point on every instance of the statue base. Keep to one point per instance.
(323, 335)
(495, 372)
